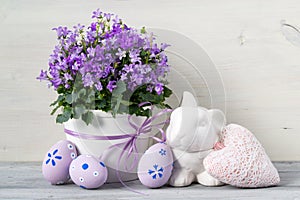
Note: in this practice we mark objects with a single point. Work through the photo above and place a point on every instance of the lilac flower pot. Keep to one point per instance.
(104, 124)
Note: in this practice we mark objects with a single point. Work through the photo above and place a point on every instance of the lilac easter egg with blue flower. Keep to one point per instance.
(57, 162)
(155, 166)
(88, 172)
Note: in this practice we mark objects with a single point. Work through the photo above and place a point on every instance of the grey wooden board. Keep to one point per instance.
(25, 181)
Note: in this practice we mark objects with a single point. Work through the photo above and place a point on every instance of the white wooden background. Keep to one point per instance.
(259, 67)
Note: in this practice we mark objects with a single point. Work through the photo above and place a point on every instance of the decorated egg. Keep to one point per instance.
(57, 161)
(88, 172)
(155, 166)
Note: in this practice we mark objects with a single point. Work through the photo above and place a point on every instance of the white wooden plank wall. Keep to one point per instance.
(259, 67)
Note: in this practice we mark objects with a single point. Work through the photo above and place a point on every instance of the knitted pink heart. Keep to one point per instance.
(243, 161)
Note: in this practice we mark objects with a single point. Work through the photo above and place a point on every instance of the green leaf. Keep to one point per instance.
(81, 93)
(55, 109)
(65, 116)
(61, 89)
(116, 107)
(69, 98)
(59, 98)
(75, 96)
(90, 97)
(61, 118)
(167, 92)
(120, 89)
(153, 98)
(126, 103)
(78, 111)
(87, 117)
(100, 104)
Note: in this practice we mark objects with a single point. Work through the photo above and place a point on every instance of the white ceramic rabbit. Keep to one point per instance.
(192, 133)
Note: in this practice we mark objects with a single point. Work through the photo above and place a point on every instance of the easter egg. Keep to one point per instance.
(88, 172)
(57, 161)
(155, 166)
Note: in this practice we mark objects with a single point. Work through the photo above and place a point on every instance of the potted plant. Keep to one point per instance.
(103, 73)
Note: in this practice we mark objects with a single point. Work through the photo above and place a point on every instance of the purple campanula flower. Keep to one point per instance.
(91, 51)
(42, 76)
(159, 88)
(56, 81)
(163, 46)
(128, 68)
(75, 66)
(101, 25)
(124, 77)
(67, 86)
(88, 80)
(78, 27)
(93, 26)
(134, 56)
(91, 36)
(111, 85)
(97, 13)
(106, 72)
(61, 31)
(108, 16)
(121, 54)
(116, 20)
(98, 86)
(149, 88)
(68, 77)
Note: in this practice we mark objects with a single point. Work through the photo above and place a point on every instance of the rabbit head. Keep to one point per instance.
(193, 128)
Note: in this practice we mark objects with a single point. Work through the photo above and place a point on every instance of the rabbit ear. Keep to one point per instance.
(218, 118)
(188, 100)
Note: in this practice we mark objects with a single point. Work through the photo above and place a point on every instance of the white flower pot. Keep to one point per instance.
(104, 124)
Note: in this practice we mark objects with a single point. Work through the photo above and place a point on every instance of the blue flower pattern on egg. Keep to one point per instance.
(157, 172)
(162, 152)
(52, 157)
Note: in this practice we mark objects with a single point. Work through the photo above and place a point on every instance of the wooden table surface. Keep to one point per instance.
(25, 181)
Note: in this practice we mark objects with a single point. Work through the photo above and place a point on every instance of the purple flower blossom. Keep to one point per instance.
(134, 56)
(107, 16)
(78, 27)
(106, 72)
(101, 25)
(99, 52)
(97, 13)
(93, 26)
(42, 76)
(159, 88)
(68, 77)
(121, 54)
(61, 31)
(88, 80)
(116, 20)
(111, 85)
(56, 81)
(163, 46)
(98, 86)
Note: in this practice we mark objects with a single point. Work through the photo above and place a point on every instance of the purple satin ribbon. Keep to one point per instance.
(130, 144)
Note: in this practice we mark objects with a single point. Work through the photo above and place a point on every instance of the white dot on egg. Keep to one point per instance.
(81, 179)
(88, 156)
(96, 173)
(73, 155)
(70, 146)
